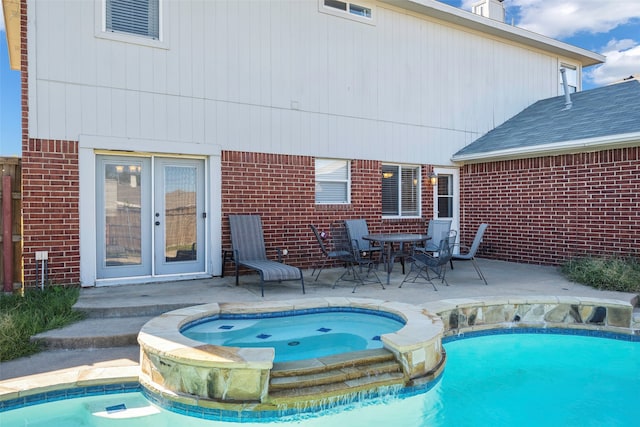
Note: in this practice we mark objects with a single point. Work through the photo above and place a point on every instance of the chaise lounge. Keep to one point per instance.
(247, 239)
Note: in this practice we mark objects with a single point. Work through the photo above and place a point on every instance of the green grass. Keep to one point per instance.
(613, 274)
(37, 311)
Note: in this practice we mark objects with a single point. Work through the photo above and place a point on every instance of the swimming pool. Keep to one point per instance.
(298, 337)
(504, 377)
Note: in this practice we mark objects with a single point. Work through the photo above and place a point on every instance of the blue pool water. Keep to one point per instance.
(300, 336)
(495, 380)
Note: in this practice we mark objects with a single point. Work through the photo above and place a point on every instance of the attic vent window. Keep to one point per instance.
(138, 17)
(358, 11)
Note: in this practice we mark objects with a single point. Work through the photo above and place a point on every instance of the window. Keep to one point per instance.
(138, 17)
(360, 10)
(445, 196)
(571, 73)
(333, 181)
(400, 190)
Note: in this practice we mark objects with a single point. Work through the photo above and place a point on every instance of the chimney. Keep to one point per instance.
(492, 9)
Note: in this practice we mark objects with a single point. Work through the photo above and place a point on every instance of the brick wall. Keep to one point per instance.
(547, 209)
(281, 189)
(50, 200)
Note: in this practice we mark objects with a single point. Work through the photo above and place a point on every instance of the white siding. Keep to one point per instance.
(278, 76)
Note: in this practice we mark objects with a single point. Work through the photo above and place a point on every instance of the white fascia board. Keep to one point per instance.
(554, 148)
(499, 29)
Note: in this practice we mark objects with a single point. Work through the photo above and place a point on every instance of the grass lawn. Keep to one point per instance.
(35, 312)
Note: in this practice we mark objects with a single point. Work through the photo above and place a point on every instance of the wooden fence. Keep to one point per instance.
(11, 223)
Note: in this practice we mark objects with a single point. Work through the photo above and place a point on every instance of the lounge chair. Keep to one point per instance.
(249, 251)
(422, 262)
(328, 254)
(470, 254)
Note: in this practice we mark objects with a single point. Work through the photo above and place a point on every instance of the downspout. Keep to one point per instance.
(565, 85)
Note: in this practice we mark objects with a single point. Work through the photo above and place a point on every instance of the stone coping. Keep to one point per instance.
(473, 314)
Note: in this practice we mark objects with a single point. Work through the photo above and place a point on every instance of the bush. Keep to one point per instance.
(37, 311)
(612, 274)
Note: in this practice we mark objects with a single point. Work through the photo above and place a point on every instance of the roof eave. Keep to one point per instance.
(470, 20)
(554, 148)
(11, 10)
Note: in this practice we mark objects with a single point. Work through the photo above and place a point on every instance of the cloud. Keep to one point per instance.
(565, 18)
(2, 29)
(623, 60)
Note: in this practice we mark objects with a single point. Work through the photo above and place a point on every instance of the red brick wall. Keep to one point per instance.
(547, 209)
(50, 200)
(281, 189)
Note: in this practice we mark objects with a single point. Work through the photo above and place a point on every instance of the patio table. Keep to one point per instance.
(388, 239)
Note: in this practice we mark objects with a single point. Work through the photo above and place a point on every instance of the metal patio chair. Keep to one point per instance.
(470, 254)
(356, 229)
(355, 261)
(422, 262)
(247, 239)
(329, 253)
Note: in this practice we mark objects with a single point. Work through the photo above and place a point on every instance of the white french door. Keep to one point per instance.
(150, 216)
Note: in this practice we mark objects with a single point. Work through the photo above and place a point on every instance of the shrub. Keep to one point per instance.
(613, 274)
(22, 316)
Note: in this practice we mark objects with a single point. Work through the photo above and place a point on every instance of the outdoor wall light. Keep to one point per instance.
(433, 178)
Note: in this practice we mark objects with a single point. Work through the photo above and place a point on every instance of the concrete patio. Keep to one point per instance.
(105, 341)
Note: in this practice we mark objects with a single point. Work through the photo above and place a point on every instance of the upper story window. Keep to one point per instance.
(571, 73)
(401, 190)
(333, 181)
(137, 17)
(358, 10)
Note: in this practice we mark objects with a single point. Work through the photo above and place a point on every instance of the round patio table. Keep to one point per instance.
(388, 240)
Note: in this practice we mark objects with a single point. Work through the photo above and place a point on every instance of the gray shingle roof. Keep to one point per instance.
(601, 112)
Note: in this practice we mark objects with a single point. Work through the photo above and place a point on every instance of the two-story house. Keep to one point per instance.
(147, 122)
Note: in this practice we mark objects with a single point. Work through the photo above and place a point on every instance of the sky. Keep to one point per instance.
(608, 27)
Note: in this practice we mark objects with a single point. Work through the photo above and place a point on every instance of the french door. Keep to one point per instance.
(150, 216)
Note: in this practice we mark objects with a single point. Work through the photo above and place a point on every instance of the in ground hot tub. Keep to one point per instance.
(196, 373)
(298, 334)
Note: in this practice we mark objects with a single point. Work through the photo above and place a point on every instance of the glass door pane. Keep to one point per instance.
(122, 201)
(179, 216)
(180, 213)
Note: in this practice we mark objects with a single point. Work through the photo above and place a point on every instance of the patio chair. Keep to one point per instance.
(436, 230)
(355, 261)
(422, 262)
(356, 229)
(249, 251)
(328, 254)
(470, 254)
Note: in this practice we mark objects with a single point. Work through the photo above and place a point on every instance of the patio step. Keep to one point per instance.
(333, 376)
(91, 310)
(94, 333)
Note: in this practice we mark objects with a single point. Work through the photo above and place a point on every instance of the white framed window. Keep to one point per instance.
(401, 191)
(361, 11)
(571, 73)
(137, 17)
(131, 21)
(333, 181)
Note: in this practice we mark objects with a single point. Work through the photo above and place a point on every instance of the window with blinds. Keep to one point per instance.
(139, 17)
(333, 181)
(400, 190)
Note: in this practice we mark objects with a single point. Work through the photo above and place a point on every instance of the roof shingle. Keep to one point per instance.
(601, 112)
